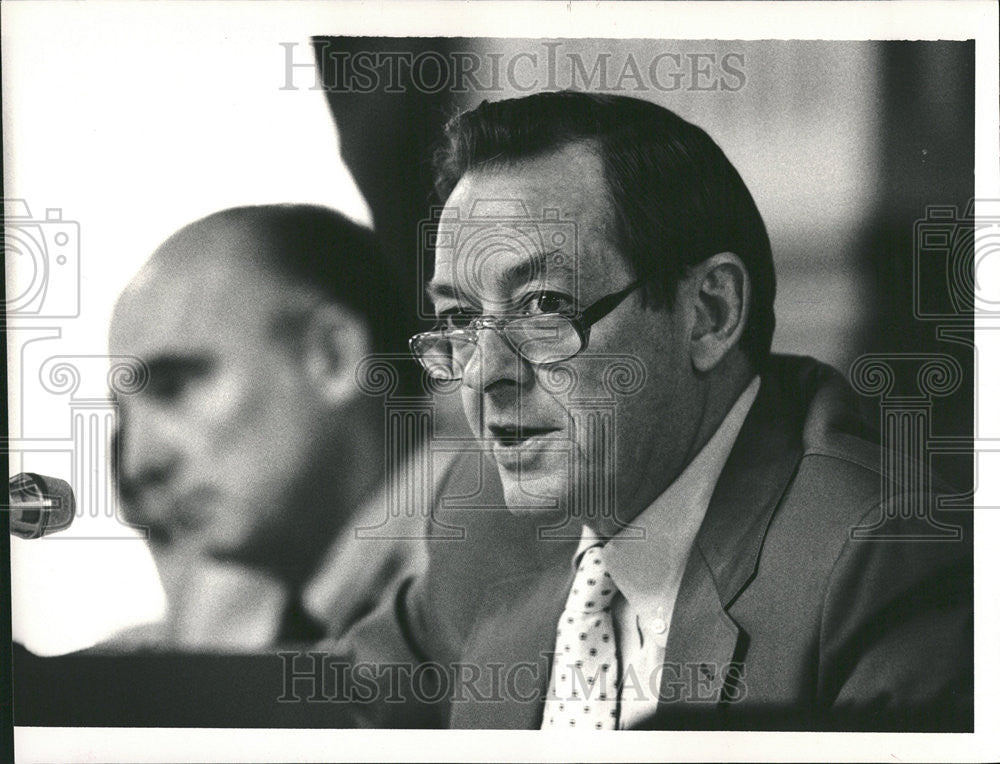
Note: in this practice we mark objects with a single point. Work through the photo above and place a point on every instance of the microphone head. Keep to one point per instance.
(39, 505)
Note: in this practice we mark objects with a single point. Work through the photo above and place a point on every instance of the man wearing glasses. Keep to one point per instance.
(688, 560)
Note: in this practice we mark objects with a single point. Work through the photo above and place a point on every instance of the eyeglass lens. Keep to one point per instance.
(538, 339)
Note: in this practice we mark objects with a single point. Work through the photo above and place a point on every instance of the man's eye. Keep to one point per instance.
(171, 387)
(455, 320)
(168, 387)
(171, 380)
(550, 302)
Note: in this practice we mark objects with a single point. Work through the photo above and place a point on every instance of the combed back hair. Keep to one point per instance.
(677, 200)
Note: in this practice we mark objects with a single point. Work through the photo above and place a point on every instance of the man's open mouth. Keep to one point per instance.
(513, 435)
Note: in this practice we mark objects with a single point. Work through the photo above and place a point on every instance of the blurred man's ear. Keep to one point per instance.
(335, 342)
(720, 288)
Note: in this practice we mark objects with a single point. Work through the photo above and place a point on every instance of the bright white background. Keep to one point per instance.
(134, 119)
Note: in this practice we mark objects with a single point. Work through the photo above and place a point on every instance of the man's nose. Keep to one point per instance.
(494, 361)
(148, 449)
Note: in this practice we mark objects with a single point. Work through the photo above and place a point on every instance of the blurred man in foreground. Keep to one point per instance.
(252, 451)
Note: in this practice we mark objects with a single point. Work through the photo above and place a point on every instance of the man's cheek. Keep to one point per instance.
(472, 408)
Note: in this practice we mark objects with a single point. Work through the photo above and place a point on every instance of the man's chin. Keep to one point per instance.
(238, 545)
(534, 495)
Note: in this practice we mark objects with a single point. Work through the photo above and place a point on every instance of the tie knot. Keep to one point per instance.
(592, 589)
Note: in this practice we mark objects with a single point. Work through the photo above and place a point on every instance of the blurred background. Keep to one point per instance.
(135, 122)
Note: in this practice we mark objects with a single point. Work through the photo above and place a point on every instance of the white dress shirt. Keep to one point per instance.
(648, 571)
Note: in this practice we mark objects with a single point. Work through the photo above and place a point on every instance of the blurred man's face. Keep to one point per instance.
(219, 447)
(542, 427)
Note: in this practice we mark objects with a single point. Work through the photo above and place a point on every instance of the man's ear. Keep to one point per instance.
(721, 293)
(334, 344)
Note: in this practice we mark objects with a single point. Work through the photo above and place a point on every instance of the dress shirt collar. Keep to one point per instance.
(647, 571)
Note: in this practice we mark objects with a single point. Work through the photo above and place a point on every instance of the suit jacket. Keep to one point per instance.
(224, 606)
(817, 594)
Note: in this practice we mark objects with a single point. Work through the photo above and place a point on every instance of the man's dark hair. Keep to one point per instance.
(677, 199)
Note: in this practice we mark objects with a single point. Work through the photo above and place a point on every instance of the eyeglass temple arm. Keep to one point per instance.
(606, 304)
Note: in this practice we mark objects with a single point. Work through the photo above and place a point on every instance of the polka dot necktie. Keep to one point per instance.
(583, 691)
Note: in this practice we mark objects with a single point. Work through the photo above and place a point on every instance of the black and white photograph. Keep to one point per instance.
(377, 371)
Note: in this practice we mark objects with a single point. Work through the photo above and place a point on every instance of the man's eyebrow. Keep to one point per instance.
(440, 290)
(532, 266)
(535, 265)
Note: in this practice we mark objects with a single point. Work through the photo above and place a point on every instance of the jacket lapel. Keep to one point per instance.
(703, 637)
(516, 624)
(701, 644)
(515, 631)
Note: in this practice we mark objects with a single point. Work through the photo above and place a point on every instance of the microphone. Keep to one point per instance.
(39, 505)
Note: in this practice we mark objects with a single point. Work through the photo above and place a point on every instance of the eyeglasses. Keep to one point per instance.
(539, 339)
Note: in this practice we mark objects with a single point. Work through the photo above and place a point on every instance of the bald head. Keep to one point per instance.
(308, 247)
(215, 276)
(252, 322)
